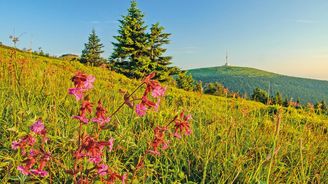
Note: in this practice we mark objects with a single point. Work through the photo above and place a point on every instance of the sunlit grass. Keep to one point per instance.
(233, 140)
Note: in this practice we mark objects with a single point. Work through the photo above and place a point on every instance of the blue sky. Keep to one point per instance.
(284, 36)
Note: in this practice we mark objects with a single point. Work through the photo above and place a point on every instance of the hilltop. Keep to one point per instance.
(244, 80)
(232, 140)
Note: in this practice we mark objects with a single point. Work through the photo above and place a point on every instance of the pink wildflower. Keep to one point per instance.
(82, 119)
(141, 109)
(88, 84)
(86, 107)
(23, 170)
(29, 163)
(102, 169)
(101, 121)
(34, 152)
(38, 127)
(177, 135)
(165, 145)
(95, 159)
(124, 177)
(157, 104)
(82, 83)
(158, 91)
(22, 143)
(92, 149)
(101, 118)
(111, 144)
(29, 140)
(15, 145)
(39, 172)
(159, 140)
(78, 93)
(182, 125)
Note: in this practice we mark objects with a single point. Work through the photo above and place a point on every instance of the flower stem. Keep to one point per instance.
(124, 102)
(175, 117)
(80, 130)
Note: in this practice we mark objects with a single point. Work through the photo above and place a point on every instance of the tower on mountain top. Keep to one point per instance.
(226, 60)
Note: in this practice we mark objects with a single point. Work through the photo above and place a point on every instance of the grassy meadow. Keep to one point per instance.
(232, 140)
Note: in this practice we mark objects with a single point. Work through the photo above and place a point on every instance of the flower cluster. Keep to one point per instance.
(182, 125)
(101, 117)
(36, 157)
(159, 140)
(92, 149)
(156, 91)
(82, 83)
(85, 108)
(22, 143)
(89, 147)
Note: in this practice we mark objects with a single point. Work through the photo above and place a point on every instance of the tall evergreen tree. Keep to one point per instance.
(260, 95)
(130, 55)
(185, 81)
(160, 63)
(91, 54)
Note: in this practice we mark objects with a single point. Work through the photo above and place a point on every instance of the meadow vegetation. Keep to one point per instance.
(233, 140)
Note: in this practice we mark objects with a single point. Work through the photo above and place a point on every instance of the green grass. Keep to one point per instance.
(244, 80)
(233, 140)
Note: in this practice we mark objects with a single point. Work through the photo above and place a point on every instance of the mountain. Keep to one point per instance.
(244, 80)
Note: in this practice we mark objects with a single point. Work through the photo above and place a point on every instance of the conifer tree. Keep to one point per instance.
(185, 81)
(260, 95)
(323, 106)
(278, 99)
(215, 88)
(286, 102)
(130, 55)
(160, 63)
(199, 87)
(91, 54)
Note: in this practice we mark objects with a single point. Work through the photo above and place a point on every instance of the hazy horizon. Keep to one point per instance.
(289, 38)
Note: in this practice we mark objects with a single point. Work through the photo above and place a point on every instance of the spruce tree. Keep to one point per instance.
(260, 95)
(323, 106)
(91, 54)
(185, 81)
(215, 88)
(199, 87)
(130, 55)
(278, 99)
(286, 102)
(160, 63)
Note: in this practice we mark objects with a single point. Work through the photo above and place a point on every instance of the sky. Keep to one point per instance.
(284, 36)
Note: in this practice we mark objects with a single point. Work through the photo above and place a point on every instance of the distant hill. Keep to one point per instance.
(244, 80)
(69, 57)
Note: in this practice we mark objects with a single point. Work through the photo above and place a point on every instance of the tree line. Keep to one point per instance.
(186, 82)
(136, 52)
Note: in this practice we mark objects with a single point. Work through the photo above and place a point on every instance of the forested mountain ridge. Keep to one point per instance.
(244, 80)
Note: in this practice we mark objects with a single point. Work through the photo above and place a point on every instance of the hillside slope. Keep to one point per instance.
(244, 80)
(231, 142)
